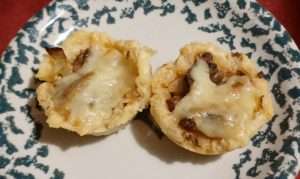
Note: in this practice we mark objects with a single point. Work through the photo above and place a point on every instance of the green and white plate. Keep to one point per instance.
(29, 149)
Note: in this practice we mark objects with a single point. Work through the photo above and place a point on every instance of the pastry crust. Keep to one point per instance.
(94, 85)
(173, 87)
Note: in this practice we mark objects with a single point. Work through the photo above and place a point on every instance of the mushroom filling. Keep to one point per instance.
(215, 74)
(59, 61)
(178, 89)
(80, 60)
(218, 106)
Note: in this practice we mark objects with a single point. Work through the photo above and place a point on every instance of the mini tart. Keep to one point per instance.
(209, 101)
(94, 84)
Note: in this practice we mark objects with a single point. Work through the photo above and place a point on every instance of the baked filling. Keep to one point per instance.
(99, 83)
(101, 88)
(219, 105)
(210, 101)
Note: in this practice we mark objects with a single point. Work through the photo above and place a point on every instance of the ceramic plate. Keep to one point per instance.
(29, 149)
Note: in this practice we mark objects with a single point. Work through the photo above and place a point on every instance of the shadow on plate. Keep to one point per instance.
(148, 137)
(62, 138)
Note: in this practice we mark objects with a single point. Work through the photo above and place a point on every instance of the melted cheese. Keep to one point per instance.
(220, 111)
(97, 87)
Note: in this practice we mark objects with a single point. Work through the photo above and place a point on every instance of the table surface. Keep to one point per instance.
(15, 13)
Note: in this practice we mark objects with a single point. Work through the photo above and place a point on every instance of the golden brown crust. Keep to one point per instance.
(192, 139)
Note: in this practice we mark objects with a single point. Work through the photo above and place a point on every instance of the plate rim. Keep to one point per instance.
(31, 19)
